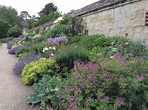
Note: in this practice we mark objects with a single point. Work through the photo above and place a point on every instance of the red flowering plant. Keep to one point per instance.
(90, 86)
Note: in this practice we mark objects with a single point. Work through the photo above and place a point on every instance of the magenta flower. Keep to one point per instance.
(98, 98)
(89, 98)
(74, 108)
(86, 106)
(81, 85)
(91, 95)
(106, 97)
(78, 104)
(62, 101)
(59, 95)
(121, 101)
(99, 89)
(66, 87)
(142, 78)
(119, 59)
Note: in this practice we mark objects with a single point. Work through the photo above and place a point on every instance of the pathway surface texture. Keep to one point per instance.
(12, 92)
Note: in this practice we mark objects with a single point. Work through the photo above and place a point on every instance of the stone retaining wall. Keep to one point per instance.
(125, 19)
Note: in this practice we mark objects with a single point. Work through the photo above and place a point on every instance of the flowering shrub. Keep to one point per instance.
(10, 44)
(17, 49)
(34, 71)
(45, 91)
(48, 52)
(19, 66)
(92, 88)
(57, 40)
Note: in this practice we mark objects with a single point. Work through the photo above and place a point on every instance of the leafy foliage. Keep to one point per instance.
(4, 27)
(45, 91)
(66, 55)
(75, 24)
(90, 87)
(50, 7)
(14, 31)
(10, 15)
(58, 30)
(34, 71)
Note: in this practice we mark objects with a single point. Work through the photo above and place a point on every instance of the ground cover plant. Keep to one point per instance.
(34, 71)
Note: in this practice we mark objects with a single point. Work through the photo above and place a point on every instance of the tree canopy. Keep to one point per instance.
(10, 15)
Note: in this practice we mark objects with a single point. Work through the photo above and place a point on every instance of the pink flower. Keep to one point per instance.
(62, 101)
(141, 78)
(78, 104)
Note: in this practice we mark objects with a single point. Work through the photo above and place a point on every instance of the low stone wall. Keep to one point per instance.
(125, 19)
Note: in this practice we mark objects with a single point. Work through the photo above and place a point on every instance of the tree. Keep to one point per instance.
(4, 27)
(25, 16)
(50, 7)
(10, 15)
(14, 31)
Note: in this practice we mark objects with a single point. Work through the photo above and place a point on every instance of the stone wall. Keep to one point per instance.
(125, 19)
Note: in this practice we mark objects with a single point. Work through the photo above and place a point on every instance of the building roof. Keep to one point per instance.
(95, 6)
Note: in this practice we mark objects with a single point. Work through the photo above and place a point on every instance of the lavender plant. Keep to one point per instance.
(57, 40)
(10, 44)
(19, 66)
(17, 49)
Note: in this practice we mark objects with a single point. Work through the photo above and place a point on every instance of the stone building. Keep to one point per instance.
(126, 18)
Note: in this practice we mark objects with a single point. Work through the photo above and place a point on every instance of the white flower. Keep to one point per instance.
(44, 58)
(45, 48)
(50, 48)
(111, 57)
(114, 49)
(52, 54)
(126, 43)
(53, 48)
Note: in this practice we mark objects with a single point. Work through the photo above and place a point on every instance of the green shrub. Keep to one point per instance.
(4, 27)
(45, 92)
(66, 55)
(57, 31)
(14, 31)
(34, 71)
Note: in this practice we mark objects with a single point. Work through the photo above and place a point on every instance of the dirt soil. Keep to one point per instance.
(12, 92)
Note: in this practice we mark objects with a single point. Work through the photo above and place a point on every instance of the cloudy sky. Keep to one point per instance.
(34, 6)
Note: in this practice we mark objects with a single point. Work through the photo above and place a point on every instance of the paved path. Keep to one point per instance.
(12, 92)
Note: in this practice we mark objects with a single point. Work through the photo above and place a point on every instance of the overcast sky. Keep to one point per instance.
(34, 6)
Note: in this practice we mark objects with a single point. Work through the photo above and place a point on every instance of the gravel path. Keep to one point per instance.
(12, 92)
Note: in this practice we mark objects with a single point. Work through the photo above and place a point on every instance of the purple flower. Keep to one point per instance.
(121, 101)
(78, 104)
(91, 95)
(135, 71)
(10, 44)
(106, 97)
(142, 78)
(98, 97)
(19, 66)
